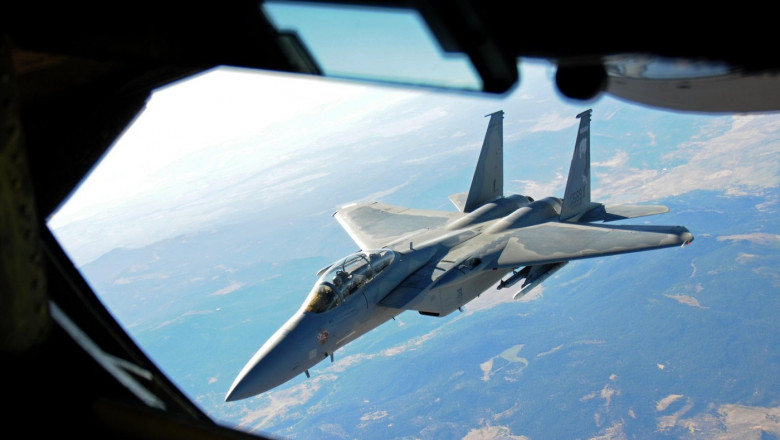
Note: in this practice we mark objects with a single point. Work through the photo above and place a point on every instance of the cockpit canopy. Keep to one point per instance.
(345, 277)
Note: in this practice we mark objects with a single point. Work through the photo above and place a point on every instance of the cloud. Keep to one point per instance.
(534, 294)
(413, 344)
(216, 145)
(587, 274)
(606, 393)
(687, 300)
(232, 287)
(768, 206)
(379, 195)
(348, 361)
(745, 258)
(553, 122)
(489, 299)
(542, 189)
(664, 403)
(749, 422)
(625, 184)
(728, 421)
(486, 367)
(180, 317)
(612, 432)
(376, 415)
(511, 365)
(669, 421)
(620, 159)
(438, 157)
(738, 161)
(742, 160)
(551, 351)
(145, 277)
(492, 432)
(276, 405)
(651, 135)
(409, 123)
(756, 238)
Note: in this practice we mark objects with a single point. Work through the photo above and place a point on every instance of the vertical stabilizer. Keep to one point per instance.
(488, 182)
(576, 199)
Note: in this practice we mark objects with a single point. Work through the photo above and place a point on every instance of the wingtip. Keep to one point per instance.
(687, 239)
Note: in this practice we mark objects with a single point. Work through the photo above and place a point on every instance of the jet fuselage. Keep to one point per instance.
(434, 262)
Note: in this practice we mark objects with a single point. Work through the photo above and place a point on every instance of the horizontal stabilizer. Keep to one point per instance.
(459, 200)
(611, 213)
(554, 242)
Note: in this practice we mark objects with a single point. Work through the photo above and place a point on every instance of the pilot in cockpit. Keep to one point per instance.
(340, 279)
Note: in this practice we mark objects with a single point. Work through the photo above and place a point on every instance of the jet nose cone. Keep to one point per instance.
(277, 361)
(245, 386)
(239, 390)
(264, 371)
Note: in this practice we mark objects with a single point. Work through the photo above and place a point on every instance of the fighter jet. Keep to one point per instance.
(434, 262)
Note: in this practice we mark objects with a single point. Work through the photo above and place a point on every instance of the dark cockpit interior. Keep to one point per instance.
(345, 277)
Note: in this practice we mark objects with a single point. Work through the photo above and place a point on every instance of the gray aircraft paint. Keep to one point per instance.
(576, 199)
(434, 262)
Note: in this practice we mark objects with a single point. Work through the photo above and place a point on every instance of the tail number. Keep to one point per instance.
(576, 196)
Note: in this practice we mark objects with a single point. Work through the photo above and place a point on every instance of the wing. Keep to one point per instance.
(555, 242)
(610, 213)
(374, 225)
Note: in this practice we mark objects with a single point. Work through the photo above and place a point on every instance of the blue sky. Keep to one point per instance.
(229, 143)
(344, 42)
